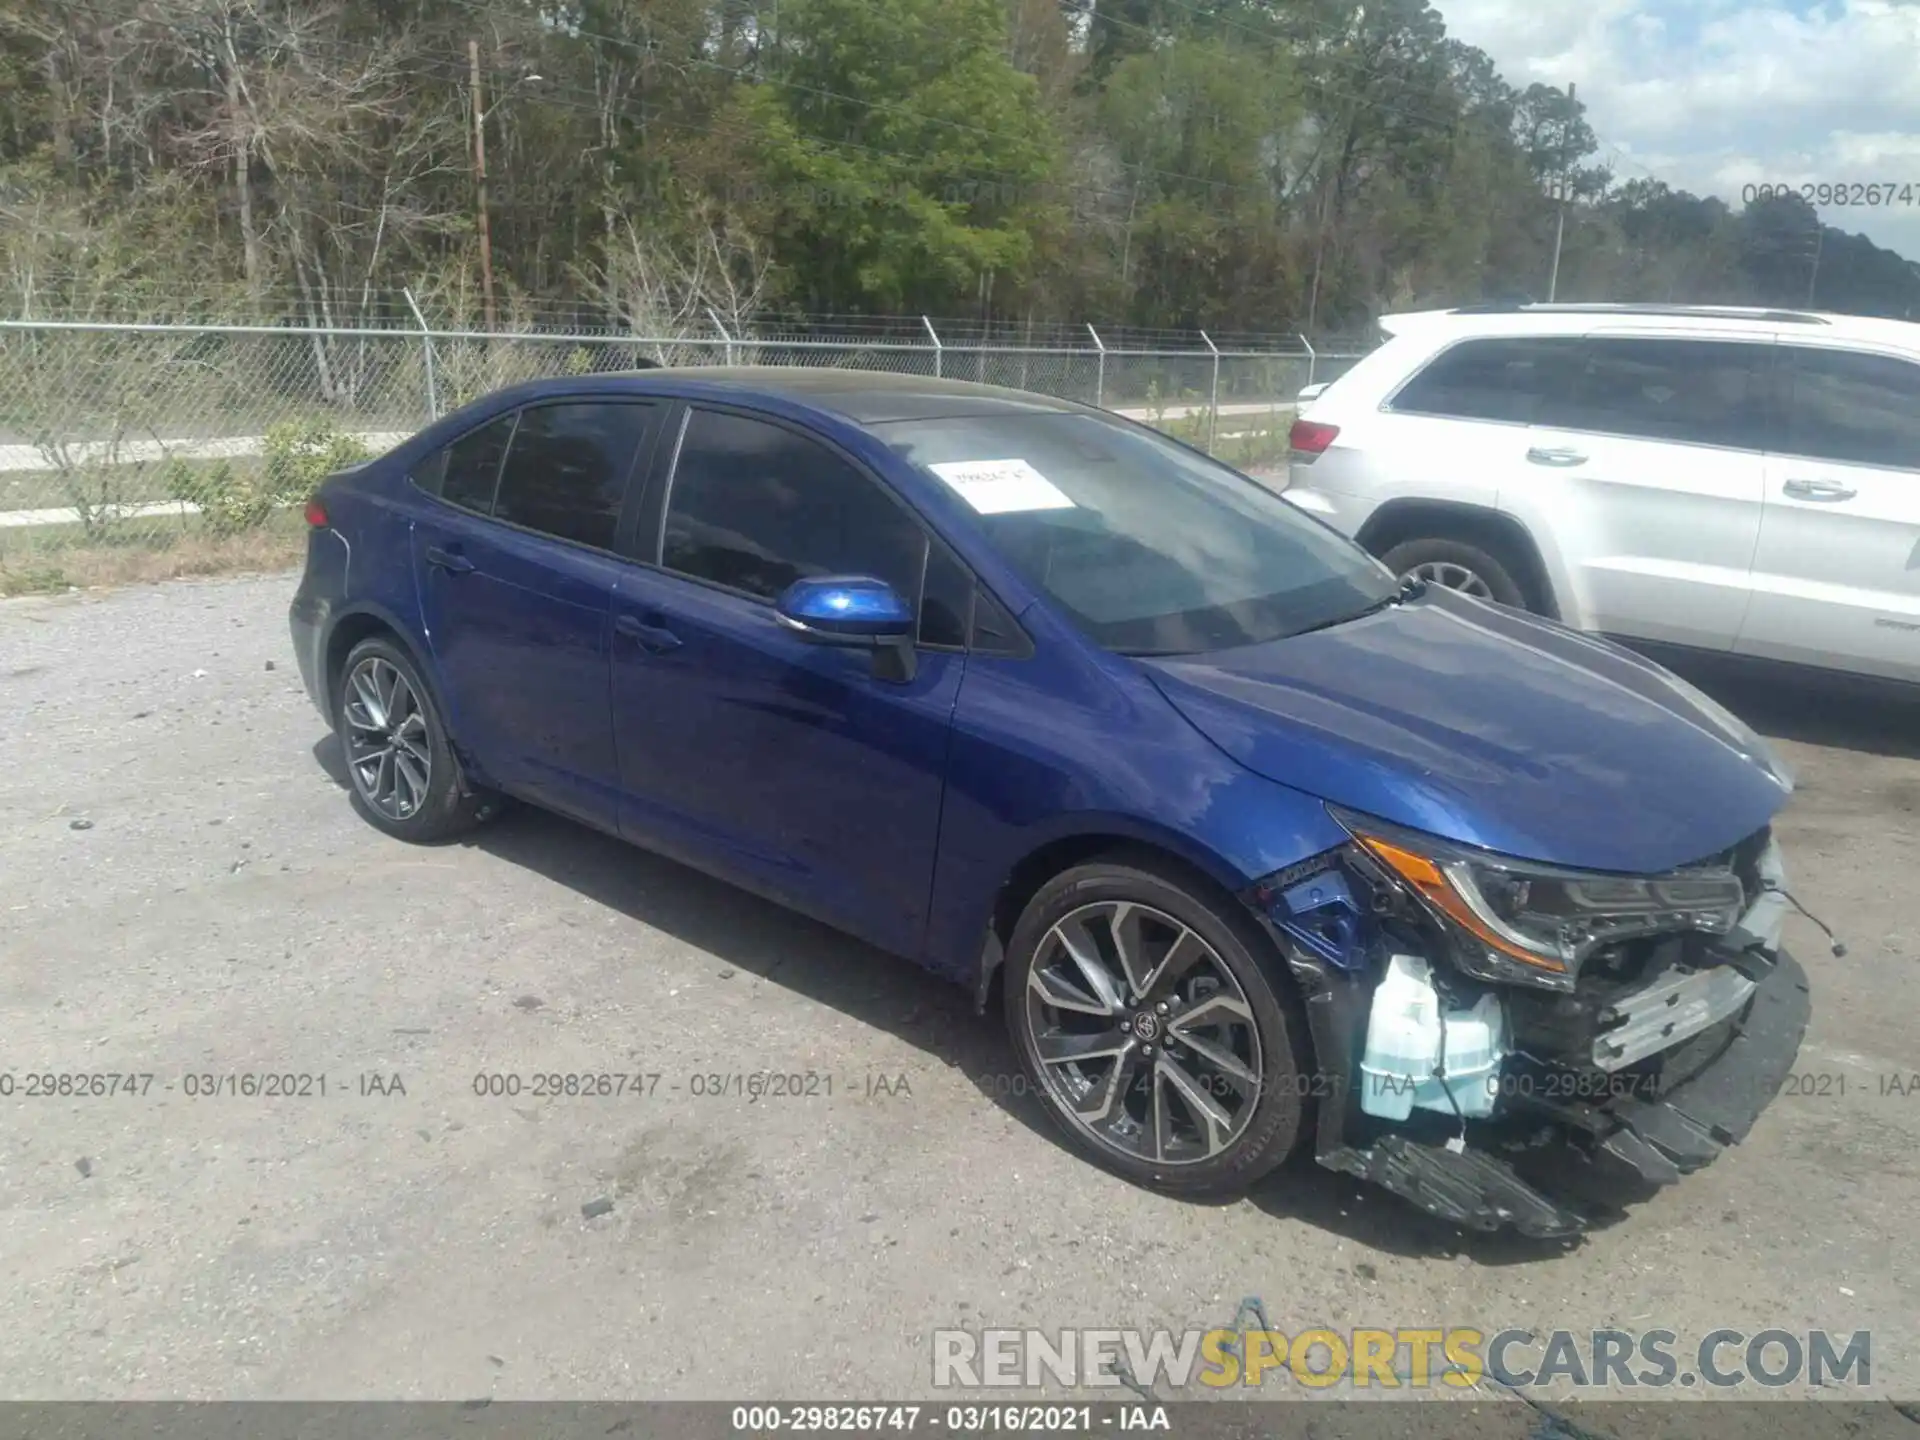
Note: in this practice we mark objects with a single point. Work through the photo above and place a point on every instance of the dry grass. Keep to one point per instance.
(87, 567)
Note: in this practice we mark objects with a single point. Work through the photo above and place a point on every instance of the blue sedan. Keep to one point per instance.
(1260, 849)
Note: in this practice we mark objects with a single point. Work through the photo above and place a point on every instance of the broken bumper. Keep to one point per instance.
(1588, 1159)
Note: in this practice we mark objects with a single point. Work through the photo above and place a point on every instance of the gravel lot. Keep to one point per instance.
(185, 890)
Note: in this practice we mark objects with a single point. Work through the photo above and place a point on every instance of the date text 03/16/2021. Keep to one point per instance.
(282, 1084)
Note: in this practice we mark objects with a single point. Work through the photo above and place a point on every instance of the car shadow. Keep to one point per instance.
(1840, 712)
(1307, 1192)
(760, 938)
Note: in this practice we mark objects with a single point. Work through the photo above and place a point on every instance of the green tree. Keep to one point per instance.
(1199, 127)
(904, 162)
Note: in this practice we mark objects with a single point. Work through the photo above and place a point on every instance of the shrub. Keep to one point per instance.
(302, 453)
(229, 500)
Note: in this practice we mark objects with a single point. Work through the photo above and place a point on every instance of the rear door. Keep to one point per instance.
(1837, 576)
(1645, 463)
(1457, 430)
(788, 767)
(516, 572)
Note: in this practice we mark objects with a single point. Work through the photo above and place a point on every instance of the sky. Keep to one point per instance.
(1714, 95)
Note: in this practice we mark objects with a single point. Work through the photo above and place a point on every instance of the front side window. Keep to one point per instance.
(1509, 380)
(566, 470)
(1859, 409)
(1695, 392)
(946, 601)
(755, 506)
(1150, 547)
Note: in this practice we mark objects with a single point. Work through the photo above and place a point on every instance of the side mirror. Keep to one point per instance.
(855, 612)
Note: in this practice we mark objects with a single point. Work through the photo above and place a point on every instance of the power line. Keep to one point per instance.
(1432, 120)
(554, 93)
(1450, 123)
(580, 33)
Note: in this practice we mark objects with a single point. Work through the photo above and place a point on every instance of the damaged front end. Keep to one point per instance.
(1511, 1045)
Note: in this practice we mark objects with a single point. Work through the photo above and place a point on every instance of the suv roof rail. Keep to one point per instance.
(1706, 312)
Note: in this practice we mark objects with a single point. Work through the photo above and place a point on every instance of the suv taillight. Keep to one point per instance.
(1308, 439)
(316, 514)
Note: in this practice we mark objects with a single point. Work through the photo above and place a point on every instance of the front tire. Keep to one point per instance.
(1153, 1021)
(401, 768)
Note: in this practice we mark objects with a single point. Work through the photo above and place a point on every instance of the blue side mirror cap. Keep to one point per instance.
(849, 606)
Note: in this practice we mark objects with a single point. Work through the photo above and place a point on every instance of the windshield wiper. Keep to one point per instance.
(1411, 588)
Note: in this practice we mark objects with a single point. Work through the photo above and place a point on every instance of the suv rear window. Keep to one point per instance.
(1694, 392)
(1697, 392)
(1499, 379)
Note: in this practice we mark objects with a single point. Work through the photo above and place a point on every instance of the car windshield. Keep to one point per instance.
(1152, 548)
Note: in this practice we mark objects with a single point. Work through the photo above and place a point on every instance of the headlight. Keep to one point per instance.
(1516, 921)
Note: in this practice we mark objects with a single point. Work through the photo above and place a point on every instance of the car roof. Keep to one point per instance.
(866, 397)
(1820, 327)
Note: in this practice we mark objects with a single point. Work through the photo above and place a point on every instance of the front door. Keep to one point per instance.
(788, 767)
(1837, 576)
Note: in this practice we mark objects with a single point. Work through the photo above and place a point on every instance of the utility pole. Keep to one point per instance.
(1319, 260)
(1819, 242)
(1563, 185)
(480, 177)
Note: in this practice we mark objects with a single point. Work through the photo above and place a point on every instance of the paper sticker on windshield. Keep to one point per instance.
(1002, 487)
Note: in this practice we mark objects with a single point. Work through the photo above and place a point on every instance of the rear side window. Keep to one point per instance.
(1697, 392)
(1506, 380)
(566, 471)
(755, 506)
(465, 472)
(1860, 409)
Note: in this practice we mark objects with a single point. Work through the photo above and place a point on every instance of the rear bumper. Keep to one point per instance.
(307, 618)
(1552, 1179)
(1345, 513)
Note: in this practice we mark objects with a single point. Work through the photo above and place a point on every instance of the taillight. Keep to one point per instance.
(1309, 439)
(316, 514)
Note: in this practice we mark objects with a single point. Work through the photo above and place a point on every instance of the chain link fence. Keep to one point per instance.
(140, 451)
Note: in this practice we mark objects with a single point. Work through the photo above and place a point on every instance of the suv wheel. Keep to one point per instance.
(403, 772)
(1154, 1030)
(1456, 565)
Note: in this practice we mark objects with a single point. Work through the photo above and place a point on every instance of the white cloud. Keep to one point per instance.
(1714, 95)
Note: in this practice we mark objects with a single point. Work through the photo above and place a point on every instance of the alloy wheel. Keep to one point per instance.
(388, 753)
(1451, 576)
(1143, 1035)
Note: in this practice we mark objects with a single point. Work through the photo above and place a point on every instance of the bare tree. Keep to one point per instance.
(674, 289)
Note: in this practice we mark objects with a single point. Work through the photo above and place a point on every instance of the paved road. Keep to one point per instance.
(222, 910)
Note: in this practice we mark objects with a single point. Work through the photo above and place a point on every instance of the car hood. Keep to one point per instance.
(1491, 728)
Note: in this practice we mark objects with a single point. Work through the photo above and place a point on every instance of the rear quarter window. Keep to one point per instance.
(467, 472)
(1505, 379)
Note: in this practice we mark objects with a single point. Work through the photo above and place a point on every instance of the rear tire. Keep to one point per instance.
(1458, 565)
(401, 769)
(1175, 1055)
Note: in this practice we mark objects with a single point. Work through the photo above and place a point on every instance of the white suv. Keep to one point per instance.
(1744, 481)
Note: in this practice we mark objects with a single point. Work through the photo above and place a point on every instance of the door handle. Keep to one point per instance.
(450, 561)
(1818, 490)
(655, 639)
(1561, 459)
